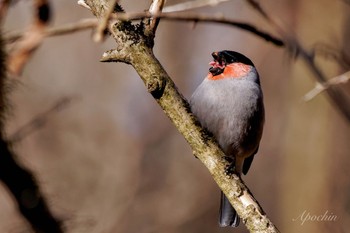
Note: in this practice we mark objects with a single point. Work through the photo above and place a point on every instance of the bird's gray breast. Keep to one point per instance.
(231, 109)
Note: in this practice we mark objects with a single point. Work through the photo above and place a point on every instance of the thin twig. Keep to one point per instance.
(31, 40)
(258, 8)
(178, 16)
(39, 121)
(327, 51)
(200, 17)
(83, 4)
(184, 6)
(69, 28)
(100, 30)
(4, 5)
(155, 9)
(341, 79)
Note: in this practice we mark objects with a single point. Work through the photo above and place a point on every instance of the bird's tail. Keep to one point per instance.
(228, 215)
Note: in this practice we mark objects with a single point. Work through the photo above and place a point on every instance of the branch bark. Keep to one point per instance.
(135, 48)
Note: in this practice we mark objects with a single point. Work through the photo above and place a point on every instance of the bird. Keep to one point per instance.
(229, 104)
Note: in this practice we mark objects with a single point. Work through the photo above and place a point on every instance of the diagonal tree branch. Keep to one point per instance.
(135, 48)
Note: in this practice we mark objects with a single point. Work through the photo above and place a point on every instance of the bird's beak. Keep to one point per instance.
(215, 56)
(218, 58)
(217, 66)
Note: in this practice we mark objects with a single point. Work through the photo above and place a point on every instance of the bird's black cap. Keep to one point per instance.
(228, 57)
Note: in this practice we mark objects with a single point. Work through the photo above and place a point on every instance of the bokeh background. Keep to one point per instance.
(111, 161)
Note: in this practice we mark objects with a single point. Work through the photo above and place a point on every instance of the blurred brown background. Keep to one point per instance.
(111, 161)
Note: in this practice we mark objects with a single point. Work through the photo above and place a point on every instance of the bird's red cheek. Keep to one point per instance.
(234, 70)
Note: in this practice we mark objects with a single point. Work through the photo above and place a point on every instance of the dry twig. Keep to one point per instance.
(31, 39)
(100, 30)
(69, 28)
(184, 6)
(38, 121)
(4, 5)
(177, 16)
(155, 9)
(328, 51)
(341, 79)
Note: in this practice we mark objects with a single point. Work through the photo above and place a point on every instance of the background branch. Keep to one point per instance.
(184, 6)
(4, 5)
(20, 182)
(39, 121)
(69, 28)
(26, 192)
(341, 79)
(340, 100)
(327, 51)
(178, 16)
(31, 40)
